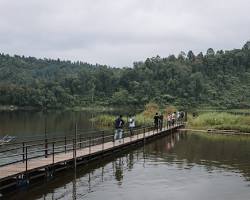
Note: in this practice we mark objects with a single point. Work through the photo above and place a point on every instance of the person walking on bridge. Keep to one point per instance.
(119, 123)
(161, 121)
(131, 124)
(173, 119)
(156, 121)
(169, 120)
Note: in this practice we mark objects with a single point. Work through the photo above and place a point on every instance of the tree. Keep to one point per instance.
(246, 46)
(182, 56)
(210, 52)
(220, 79)
(191, 56)
(200, 56)
(120, 97)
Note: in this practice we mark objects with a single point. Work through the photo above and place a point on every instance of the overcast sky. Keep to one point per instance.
(119, 32)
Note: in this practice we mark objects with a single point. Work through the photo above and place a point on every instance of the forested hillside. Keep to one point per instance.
(219, 79)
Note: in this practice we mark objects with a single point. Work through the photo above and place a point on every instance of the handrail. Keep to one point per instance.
(86, 133)
(29, 152)
(49, 142)
(52, 137)
(38, 144)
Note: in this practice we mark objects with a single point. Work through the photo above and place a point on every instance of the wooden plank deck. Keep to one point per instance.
(34, 164)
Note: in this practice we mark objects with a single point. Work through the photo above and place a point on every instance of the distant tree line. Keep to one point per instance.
(220, 79)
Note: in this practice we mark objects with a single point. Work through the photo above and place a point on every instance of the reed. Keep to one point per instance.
(222, 120)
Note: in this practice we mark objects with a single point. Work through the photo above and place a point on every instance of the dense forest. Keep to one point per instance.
(218, 79)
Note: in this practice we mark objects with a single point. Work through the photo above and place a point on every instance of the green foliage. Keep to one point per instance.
(150, 110)
(220, 79)
(220, 120)
(104, 120)
(107, 120)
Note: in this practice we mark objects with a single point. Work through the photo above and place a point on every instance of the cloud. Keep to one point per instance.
(120, 32)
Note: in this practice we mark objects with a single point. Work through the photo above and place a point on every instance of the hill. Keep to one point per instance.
(218, 79)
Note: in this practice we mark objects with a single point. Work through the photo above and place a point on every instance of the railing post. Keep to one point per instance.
(80, 141)
(46, 147)
(144, 135)
(65, 144)
(89, 145)
(26, 159)
(53, 152)
(45, 134)
(73, 144)
(102, 140)
(23, 152)
(123, 136)
(26, 164)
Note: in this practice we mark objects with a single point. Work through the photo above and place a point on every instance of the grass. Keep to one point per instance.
(144, 118)
(104, 120)
(222, 121)
(107, 120)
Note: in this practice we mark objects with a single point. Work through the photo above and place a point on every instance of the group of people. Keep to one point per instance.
(172, 119)
(119, 125)
(158, 121)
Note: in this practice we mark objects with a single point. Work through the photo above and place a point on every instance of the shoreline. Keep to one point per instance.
(217, 131)
(13, 108)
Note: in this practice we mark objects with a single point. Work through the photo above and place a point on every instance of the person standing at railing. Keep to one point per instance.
(131, 124)
(182, 116)
(178, 117)
(161, 121)
(119, 123)
(156, 121)
(173, 118)
(169, 119)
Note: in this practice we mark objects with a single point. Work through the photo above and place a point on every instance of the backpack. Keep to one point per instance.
(119, 123)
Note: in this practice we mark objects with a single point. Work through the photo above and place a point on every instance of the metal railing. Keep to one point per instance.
(28, 150)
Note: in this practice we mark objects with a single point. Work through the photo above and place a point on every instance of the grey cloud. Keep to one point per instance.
(120, 32)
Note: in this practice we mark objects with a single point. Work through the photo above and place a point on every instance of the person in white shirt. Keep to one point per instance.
(177, 117)
(131, 124)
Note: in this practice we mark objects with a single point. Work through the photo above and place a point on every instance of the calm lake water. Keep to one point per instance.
(179, 166)
(32, 123)
(27, 123)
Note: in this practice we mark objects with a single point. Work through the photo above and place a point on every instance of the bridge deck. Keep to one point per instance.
(15, 169)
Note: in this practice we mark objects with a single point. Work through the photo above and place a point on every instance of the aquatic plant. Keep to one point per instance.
(221, 121)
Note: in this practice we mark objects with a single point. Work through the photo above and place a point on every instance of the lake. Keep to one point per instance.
(32, 123)
(27, 123)
(184, 165)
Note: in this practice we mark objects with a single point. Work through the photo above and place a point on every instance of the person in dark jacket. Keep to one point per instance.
(119, 123)
(161, 121)
(156, 120)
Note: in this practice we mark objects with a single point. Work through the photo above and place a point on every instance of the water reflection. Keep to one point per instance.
(178, 166)
(34, 123)
(119, 170)
(24, 124)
